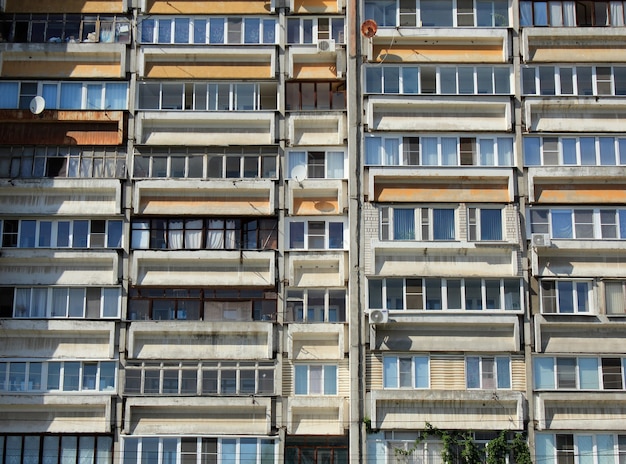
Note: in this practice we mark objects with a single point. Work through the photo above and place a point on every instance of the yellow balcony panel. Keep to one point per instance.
(102, 197)
(600, 411)
(56, 414)
(206, 7)
(324, 70)
(22, 266)
(413, 191)
(316, 6)
(407, 410)
(439, 113)
(428, 45)
(573, 44)
(215, 62)
(242, 197)
(317, 197)
(200, 340)
(228, 415)
(66, 6)
(571, 114)
(28, 338)
(198, 268)
(580, 193)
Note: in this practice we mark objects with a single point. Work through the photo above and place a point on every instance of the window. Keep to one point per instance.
(488, 373)
(441, 80)
(53, 162)
(214, 96)
(167, 450)
(460, 294)
(320, 164)
(588, 223)
(37, 376)
(576, 80)
(406, 372)
(228, 233)
(307, 96)
(565, 448)
(615, 297)
(75, 233)
(427, 224)
(52, 448)
(66, 95)
(436, 13)
(565, 296)
(316, 235)
(231, 162)
(64, 28)
(315, 379)
(311, 30)
(572, 14)
(205, 378)
(438, 151)
(574, 151)
(318, 449)
(60, 302)
(315, 305)
(582, 373)
(202, 30)
(226, 305)
(484, 224)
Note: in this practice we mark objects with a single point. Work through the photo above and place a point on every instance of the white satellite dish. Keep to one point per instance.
(37, 105)
(299, 173)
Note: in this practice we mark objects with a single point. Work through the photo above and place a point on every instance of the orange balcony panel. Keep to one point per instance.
(428, 53)
(208, 7)
(217, 70)
(441, 192)
(314, 206)
(60, 69)
(62, 127)
(315, 70)
(580, 193)
(66, 6)
(316, 6)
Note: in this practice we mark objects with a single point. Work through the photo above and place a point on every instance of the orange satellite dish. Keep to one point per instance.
(369, 28)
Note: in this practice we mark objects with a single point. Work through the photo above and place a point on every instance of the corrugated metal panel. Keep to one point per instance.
(518, 374)
(447, 373)
(287, 378)
(374, 375)
(343, 380)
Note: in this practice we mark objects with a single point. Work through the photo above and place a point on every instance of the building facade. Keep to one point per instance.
(312, 231)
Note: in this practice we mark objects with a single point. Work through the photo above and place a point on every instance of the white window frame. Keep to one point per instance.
(482, 361)
(556, 288)
(548, 227)
(6, 383)
(48, 310)
(324, 370)
(556, 75)
(300, 158)
(443, 284)
(395, 364)
(619, 150)
(475, 223)
(317, 35)
(307, 236)
(297, 297)
(423, 223)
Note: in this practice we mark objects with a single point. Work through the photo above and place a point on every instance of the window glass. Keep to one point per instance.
(436, 13)
(544, 373)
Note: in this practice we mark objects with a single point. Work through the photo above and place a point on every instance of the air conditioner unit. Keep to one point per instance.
(379, 316)
(540, 240)
(326, 45)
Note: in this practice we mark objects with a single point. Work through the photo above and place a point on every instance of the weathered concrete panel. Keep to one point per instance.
(66, 6)
(203, 70)
(460, 191)
(178, 7)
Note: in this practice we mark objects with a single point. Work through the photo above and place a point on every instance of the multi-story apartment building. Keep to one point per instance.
(257, 232)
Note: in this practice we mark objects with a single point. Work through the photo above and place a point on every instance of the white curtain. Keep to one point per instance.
(448, 151)
(296, 160)
(615, 301)
(22, 302)
(39, 302)
(526, 13)
(231, 235)
(617, 13)
(334, 161)
(69, 449)
(569, 14)
(175, 235)
(193, 234)
(215, 236)
(429, 151)
(556, 14)
(59, 302)
(486, 152)
(115, 96)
